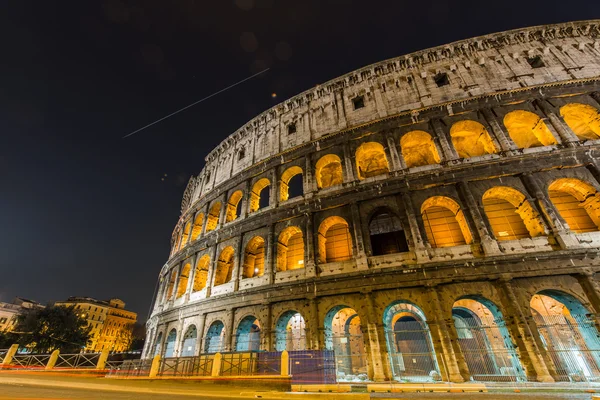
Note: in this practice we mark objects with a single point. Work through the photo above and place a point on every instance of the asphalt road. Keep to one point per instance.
(19, 392)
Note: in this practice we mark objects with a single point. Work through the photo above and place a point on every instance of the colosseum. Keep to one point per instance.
(432, 217)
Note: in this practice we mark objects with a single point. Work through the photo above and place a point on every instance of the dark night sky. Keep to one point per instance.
(86, 213)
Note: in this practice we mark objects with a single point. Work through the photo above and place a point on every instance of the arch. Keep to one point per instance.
(257, 197)
(197, 229)
(386, 233)
(371, 160)
(234, 206)
(335, 243)
(183, 280)
(213, 217)
(569, 335)
(185, 235)
(484, 340)
(418, 148)
(248, 334)
(410, 347)
(527, 129)
(201, 275)
(577, 202)
(471, 139)
(329, 171)
(170, 344)
(289, 182)
(157, 345)
(171, 286)
(343, 335)
(445, 223)
(224, 266)
(511, 215)
(213, 342)
(290, 332)
(290, 249)
(583, 119)
(188, 347)
(254, 258)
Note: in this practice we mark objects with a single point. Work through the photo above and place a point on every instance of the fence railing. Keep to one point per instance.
(30, 361)
(81, 360)
(129, 368)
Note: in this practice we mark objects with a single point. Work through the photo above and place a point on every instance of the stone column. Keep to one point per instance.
(444, 140)
(309, 182)
(271, 255)
(274, 189)
(179, 343)
(349, 171)
(310, 258)
(377, 349)
(591, 288)
(230, 337)
(200, 338)
(475, 218)
(594, 169)
(245, 200)
(498, 130)
(222, 211)
(211, 271)
(314, 343)
(445, 342)
(267, 331)
(533, 355)
(415, 231)
(238, 260)
(359, 256)
(191, 277)
(565, 133)
(396, 161)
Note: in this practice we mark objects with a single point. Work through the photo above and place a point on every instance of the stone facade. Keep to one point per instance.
(404, 214)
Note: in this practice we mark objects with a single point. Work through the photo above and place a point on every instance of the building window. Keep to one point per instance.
(536, 62)
(441, 79)
(3, 320)
(242, 154)
(291, 128)
(358, 102)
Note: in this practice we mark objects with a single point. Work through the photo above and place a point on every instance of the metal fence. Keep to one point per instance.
(130, 368)
(80, 360)
(351, 360)
(30, 361)
(573, 344)
(187, 366)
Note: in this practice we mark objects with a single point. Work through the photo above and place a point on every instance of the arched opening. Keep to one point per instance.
(445, 223)
(329, 171)
(248, 334)
(201, 275)
(410, 348)
(224, 266)
(254, 258)
(213, 217)
(197, 229)
(577, 202)
(527, 129)
(157, 345)
(583, 119)
(170, 344)
(386, 233)
(290, 332)
(343, 335)
(485, 342)
(335, 243)
(290, 249)
(214, 342)
(418, 149)
(234, 206)
(188, 348)
(371, 160)
(569, 335)
(259, 196)
(185, 235)
(471, 139)
(183, 279)
(511, 215)
(290, 185)
(171, 286)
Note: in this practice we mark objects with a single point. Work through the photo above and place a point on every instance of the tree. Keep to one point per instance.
(51, 328)
(139, 337)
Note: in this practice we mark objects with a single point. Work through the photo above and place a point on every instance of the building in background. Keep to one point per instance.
(10, 311)
(112, 325)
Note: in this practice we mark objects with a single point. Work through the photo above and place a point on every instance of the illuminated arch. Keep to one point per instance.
(233, 205)
(578, 203)
(254, 258)
(290, 249)
(471, 139)
(386, 233)
(343, 335)
(213, 342)
(213, 217)
(583, 119)
(171, 286)
(224, 266)
(511, 215)
(248, 334)
(284, 184)
(418, 149)
(290, 332)
(257, 192)
(183, 280)
(371, 160)
(201, 275)
(335, 242)
(329, 171)
(188, 347)
(445, 223)
(170, 344)
(185, 235)
(197, 229)
(527, 129)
